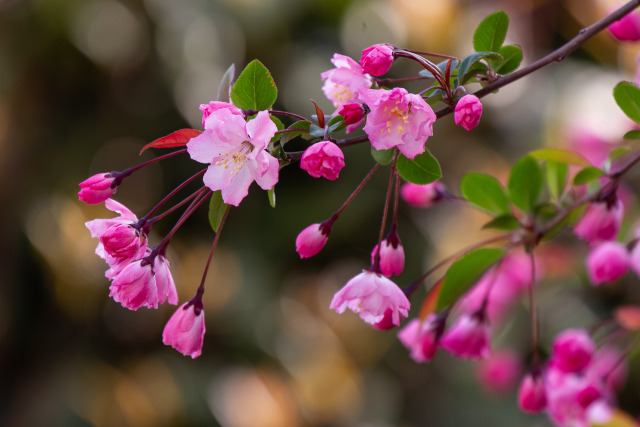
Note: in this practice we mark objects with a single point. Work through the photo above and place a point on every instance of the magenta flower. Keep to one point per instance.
(185, 330)
(398, 119)
(572, 351)
(607, 262)
(312, 239)
(600, 222)
(235, 150)
(370, 295)
(353, 115)
(421, 338)
(626, 28)
(212, 108)
(422, 196)
(532, 396)
(391, 255)
(377, 59)
(97, 188)
(468, 111)
(323, 159)
(469, 337)
(499, 373)
(123, 241)
(342, 84)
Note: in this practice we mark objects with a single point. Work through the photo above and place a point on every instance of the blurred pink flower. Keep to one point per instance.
(468, 111)
(185, 330)
(323, 159)
(97, 188)
(377, 59)
(572, 351)
(607, 262)
(421, 338)
(343, 83)
(499, 373)
(532, 397)
(421, 196)
(469, 337)
(600, 222)
(626, 28)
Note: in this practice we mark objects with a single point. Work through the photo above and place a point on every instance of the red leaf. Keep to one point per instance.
(320, 114)
(178, 138)
(430, 301)
(628, 317)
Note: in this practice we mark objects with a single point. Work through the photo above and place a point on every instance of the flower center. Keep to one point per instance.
(395, 117)
(342, 93)
(237, 159)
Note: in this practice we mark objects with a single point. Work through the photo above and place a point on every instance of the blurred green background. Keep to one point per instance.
(84, 84)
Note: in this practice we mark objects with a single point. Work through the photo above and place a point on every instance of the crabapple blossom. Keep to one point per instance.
(212, 108)
(342, 84)
(312, 239)
(468, 111)
(626, 28)
(386, 323)
(422, 195)
(353, 115)
(532, 396)
(391, 256)
(421, 337)
(607, 262)
(469, 337)
(123, 241)
(572, 350)
(235, 151)
(185, 330)
(600, 222)
(377, 59)
(97, 188)
(370, 295)
(398, 119)
(323, 159)
(500, 371)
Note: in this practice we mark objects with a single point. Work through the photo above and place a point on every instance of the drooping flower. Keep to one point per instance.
(607, 262)
(377, 59)
(370, 294)
(499, 373)
(312, 239)
(97, 188)
(469, 337)
(626, 28)
(398, 119)
(323, 159)
(342, 84)
(123, 241)
(572, 351)
(353, 115)
(468, 111)
(421, 337)
(600, 222)
(235, 150)
(422, 196)
(391, 255)
(532, 396)
(185, 330)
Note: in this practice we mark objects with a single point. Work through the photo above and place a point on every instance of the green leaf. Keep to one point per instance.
(422, 169)
(225, 84)
(464, 273)
(255, 88)
(556, 177)
(301, 128)
(272, 197)
(632, 134)
(471, 65)
(384, 157)
(560, 155)
(512, 55)
(627, 96)
(503, 222)
(217, 209)
(485, 192)
(586, 175)
(491, 32)
(525, 183)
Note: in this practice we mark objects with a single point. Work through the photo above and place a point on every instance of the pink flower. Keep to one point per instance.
(123, 241)
(323, 159)
(398, 119)
(312, 239)
(236, 152)
(572, 351)
(421, 337)
(97, 188)
(391, 256)
(469, 337)
(377, 59)
(370, 295)
(626, 28)
(500, 371)
(468, 111)
(353, 115)
(387, 321)
(185, 330)
(212, 108)
(422, 196)
(343, 83)
(600, 222)
(532, 397)
(607, 262)
(608, 365)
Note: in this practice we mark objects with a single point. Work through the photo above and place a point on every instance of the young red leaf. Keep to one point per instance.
(178, 138)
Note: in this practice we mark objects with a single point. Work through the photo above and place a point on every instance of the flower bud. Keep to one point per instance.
(499, 372)
(121, 241)
(469, 337)
(312, 239)
(600, 222)
(468, 111)
(97, 188)
(391, 255)
(323, 159)
(353, 114)
(626, 28)
(185, 330)
(532, 397)
(607, 262)
(421, 196)
(572, 350)
(377, 59)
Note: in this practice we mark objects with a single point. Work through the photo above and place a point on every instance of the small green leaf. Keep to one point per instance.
(512, 55)
(618, 152)
(632, 134)
(422, 169)
(255, 88)
(503, 222)
(300, 128)
(525, 183)
(491, 32)
(217, 209)
(587, 175)
(272, 197)
(556, 177)
(485, 192)
(627, 96)
(384, 157)
(464, 273)
(471, 65)
(224, 91)
(560, 155)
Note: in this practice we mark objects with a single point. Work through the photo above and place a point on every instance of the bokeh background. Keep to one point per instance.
(84, 84)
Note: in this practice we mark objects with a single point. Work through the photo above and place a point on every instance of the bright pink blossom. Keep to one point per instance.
(398, 119)
(499, 373)
(422, 196)
(421, 338)
(377, 59)
(469, 337)
(391, 255)
(600, 222)
(312, 239)
(607, 262)
(532, 396)
(468, 111)
(626, 28)
(572, 351)
(185, 330)
(323, 159)
(353, 115)
(97, 188)
(212, 109)
(123, 241)
(235, 150)
(370, 295)
(342, 84)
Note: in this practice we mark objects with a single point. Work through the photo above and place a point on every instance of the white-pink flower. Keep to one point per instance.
(607, 262)
(235, 150)
(398, 119)
(185, 330)
(469, 337)
(323, 159)
(342, 84)
(370, 294)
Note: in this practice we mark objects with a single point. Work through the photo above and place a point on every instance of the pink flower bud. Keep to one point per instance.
(377, 59)
(212, 108)
(421, 338)
(469, 337)
(122, 241)
(97, 188)
(421, 196)
(600, 222)
(572, 350)
(626, 28)
(532, 397)
(353, 115)
(312, 239)
(607, 262)
(391, 255)
(185, 330)
(500, 372)
(468, 111)
(323, 159)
